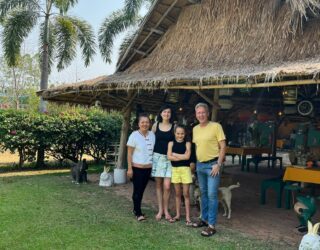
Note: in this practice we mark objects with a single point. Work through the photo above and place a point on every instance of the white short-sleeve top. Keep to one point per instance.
(143, 147)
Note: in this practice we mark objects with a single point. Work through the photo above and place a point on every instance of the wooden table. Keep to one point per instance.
(244, 151)
(309, 175)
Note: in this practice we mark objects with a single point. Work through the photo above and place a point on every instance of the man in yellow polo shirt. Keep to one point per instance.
(210, 144)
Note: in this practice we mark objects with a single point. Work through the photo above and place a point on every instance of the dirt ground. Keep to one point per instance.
(7, 158)
(265, 222)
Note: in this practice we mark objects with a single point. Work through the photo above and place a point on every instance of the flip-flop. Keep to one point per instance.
(140, 218)
(189, 223)
(158, 218)
(173, 220)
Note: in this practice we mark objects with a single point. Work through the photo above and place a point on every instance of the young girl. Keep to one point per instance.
(179, 153)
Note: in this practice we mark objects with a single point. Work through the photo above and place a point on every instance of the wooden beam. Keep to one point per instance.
(213, 104)
(114, 98)
(140, 52)
(193, 87)
(157, 31)
(214, 110)
(147, 37)
(131, 99)
(243, 85)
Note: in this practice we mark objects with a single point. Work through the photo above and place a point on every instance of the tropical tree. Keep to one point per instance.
(59, 33)
(59, 36)
(120, 21)
(20, 82)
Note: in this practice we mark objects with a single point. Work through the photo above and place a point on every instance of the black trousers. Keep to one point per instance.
(140, 180)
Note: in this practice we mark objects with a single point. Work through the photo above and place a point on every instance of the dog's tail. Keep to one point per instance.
(234, 186)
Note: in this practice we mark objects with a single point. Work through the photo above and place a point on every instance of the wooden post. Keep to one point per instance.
(214, 111)
(274, 141)
(124, 133)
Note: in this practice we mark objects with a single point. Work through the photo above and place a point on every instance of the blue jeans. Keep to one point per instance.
(209, 192)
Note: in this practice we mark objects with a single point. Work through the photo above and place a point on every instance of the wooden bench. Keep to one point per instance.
(257, 159)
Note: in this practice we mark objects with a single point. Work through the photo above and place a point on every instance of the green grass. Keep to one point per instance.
(49, 212)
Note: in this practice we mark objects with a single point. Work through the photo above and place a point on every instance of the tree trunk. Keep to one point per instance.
(44, 77)
(123, 138)
(16, 89)
(40, 158)
(45, 64)
(21, 158)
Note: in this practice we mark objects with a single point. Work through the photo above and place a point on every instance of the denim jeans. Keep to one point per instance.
(209, 192)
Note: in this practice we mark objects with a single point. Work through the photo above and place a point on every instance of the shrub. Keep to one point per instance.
(64, 135)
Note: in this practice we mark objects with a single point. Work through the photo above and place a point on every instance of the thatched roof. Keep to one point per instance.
(219, 43)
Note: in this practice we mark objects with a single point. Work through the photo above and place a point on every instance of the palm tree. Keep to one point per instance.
(118, 22)
(59, 33)
(59, 36)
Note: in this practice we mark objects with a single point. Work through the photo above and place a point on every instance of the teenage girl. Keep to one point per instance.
(179, 151)
(161, 165)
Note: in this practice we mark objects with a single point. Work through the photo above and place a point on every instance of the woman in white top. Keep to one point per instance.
(140, 149)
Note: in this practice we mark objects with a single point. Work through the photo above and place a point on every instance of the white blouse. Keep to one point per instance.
(143, 147)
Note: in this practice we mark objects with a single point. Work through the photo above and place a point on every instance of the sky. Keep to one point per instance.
(94, 12)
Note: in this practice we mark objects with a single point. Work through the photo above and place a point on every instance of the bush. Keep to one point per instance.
(65, 135)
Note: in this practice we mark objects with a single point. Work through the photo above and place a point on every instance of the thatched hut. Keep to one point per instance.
(196, 47)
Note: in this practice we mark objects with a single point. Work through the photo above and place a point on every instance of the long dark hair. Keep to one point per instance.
(164, 107)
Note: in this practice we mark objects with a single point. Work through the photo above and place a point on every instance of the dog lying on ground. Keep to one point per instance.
(79, 172)
(224, 196)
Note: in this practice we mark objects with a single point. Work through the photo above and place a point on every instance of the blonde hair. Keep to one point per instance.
(203, 105)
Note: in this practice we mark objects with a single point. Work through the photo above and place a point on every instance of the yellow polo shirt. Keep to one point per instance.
(207, 140)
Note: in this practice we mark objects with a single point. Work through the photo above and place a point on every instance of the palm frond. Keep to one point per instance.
(112, 26)
(132, 7)
(17, 27)
(85, 36)
(66, 35)
(51, 43)
(126, 43)
(64, 5)
(149, 3)
(8, 5)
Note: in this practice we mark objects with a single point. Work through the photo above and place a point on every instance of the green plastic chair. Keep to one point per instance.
(277, 185)
(289, 190)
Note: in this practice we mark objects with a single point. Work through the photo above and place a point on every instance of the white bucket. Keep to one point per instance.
(120, 176)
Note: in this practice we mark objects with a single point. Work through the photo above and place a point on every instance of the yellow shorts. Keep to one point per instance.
(181, 175)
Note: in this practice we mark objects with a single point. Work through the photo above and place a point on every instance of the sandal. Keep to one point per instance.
(174, 219)
(140, 218)
(158, 218)
(168, 218)
(200, 223)
(134, 214)
(189, 223)
(209, 231)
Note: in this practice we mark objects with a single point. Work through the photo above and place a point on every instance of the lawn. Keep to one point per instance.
(49, 212)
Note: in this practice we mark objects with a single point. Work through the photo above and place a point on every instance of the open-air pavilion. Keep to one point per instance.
(188, 51)
(185, 51)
